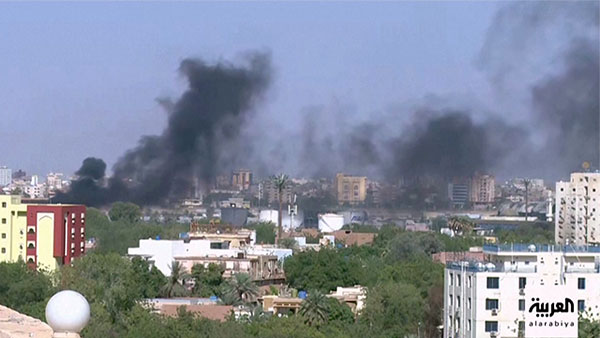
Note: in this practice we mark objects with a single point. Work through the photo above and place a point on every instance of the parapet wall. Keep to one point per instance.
(17, 325)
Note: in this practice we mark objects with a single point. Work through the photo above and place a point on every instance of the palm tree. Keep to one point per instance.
(240, 288)
(315, 308)
(175, 283)
(280, 181)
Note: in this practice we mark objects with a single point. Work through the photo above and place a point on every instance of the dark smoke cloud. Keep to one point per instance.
(542, 54)
(562, 39)
(448, 144)
(208, 116)
(566, 105)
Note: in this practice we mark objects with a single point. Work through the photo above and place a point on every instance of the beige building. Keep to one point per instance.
(482, 189)
(577, 219)
(241, 179)
(350, 189)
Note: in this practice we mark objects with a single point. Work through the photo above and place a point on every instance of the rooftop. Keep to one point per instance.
(512, 248)
(16, 325)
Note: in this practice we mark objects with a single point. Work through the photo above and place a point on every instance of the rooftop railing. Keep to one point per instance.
(497, 248)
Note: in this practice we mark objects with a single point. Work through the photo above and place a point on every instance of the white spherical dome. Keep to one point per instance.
(67, 311)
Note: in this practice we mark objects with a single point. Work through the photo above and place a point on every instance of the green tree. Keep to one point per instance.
(339, 311)
(241, 288)
(207, 281)
(588, 326)
(322, 270)
(265, 232)
(315, 308)
(23, 289)
(280, 181)
(288, 243)
(106, 279)
(149, 278)
(125, 211)
(175, 285)
(393, 310)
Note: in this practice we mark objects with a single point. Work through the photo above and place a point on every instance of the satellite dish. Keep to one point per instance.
(585, 165)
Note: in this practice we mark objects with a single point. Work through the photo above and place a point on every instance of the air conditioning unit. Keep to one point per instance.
(494, 312)
(522, 292)
(493, 334)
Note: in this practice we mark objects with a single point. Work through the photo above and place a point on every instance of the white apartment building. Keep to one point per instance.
(490, 299)
(162, 253)
(577, 215)
(5, 176)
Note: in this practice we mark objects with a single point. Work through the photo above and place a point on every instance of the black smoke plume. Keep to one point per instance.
(188, 154)
(544, 54)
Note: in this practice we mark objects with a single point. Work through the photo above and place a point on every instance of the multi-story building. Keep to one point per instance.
(241, 179)
(350, 189)
(458, 193)
(272, 193)
(44, 236)
(482, 189)
(54, 181)
(494, 298)
(5, 176)
(577, 215)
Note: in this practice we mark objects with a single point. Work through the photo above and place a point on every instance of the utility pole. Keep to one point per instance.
(526, 181)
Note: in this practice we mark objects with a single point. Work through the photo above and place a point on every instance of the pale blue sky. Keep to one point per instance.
(81, 79)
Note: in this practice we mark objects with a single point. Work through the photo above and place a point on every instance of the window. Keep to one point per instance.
(491, 304)
(451, 278)
(3, 250)
(522, 282)
(469, 281)
(469, 303)
(4, 221)
(457, 301)
(491, 326)
(493, 282)
(450, 300)
(4, 204)
(521, 329)
(581, 283)
(581, 305)
(469, 325)
(521, 304)
(3, 236)
(458, 280)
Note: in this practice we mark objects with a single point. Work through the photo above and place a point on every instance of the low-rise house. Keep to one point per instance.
(280, 306)
(355, 297)
(349, 238)
(202, 307)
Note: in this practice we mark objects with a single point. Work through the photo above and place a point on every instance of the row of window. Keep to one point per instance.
(494, 304)
(494, 283)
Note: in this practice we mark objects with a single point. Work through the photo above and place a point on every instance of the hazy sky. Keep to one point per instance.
(81, 79)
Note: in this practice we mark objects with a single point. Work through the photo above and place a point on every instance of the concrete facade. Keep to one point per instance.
(44, 236)
(350, 189)
(577, 218)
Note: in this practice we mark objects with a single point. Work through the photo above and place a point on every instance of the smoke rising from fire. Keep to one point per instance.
(553, 78)
(207, 117)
